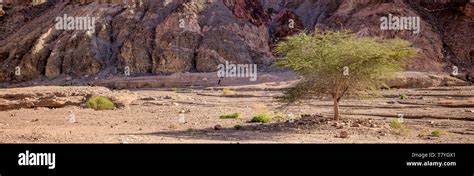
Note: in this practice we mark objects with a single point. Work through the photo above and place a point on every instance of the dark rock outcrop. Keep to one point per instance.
(165, 37)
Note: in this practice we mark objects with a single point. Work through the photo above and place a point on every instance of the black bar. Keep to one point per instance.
(366, 159)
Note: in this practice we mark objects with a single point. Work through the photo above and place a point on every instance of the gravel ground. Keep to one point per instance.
(155, 118)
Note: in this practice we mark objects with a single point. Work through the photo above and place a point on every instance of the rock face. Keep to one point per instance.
(1, 8)
(163, 37)
(58, 97)
(49, 97)
(424, 80)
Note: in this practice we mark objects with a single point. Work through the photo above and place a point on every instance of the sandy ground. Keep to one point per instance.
(154, 118)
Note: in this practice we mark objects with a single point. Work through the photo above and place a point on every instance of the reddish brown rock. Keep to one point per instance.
(250, 10)
(147, 36)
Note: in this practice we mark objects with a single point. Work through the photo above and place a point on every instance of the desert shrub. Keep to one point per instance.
(279, 116)
(263, 118)
(172, 127)
(100, 103)
(400, 128)
(238, 127)
(436, 133)
(403, 97)
(396, 124)
(181, 90)
(228, 92)
(230, 116)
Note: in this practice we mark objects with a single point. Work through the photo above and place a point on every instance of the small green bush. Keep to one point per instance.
(400, 128)
(396, 124)
(100, 103)
(172, 127)
(230, 116)
(279, 116)
(238, 127)
(436, 133)
(182, 90)
(263, 118)
(403, 97)
(228, 92)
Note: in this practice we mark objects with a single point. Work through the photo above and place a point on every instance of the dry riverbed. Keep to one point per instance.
(42, 115)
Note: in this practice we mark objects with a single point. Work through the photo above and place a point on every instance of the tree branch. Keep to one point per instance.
(343, 92)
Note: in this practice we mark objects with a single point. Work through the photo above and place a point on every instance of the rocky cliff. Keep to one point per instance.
(170, 36)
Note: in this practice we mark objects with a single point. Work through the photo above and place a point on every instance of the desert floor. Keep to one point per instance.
(153, 117)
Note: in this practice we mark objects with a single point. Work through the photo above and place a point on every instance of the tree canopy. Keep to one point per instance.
(339, 63)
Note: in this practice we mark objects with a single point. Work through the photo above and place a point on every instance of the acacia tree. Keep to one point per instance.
(340, 63)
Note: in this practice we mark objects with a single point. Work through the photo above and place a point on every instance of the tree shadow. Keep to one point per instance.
(247, 132)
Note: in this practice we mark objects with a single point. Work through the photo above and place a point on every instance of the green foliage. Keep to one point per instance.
(400, 128)
(100, 103)
(172, 127)
(279, 116)
(181, 90)
(262, 118)
(436, 133)
(238, 127)
(228, 92)
(320, 59)
(403, 97)
(230, 116)
(396, 124)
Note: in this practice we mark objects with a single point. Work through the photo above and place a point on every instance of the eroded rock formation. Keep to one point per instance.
(164, 37)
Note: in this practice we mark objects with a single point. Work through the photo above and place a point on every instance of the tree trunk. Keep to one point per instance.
(336, 109)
